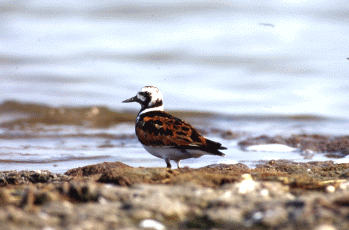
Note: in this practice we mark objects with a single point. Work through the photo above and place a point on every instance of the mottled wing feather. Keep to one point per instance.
(167, 131)
(160, 128)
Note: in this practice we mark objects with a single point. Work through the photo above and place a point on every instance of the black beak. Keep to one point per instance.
(132, 99)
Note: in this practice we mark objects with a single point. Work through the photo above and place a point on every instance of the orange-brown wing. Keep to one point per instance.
(166, 130)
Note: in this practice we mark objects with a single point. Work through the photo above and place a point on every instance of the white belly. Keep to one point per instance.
(173, 153)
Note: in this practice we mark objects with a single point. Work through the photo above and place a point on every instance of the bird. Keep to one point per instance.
(166, 136)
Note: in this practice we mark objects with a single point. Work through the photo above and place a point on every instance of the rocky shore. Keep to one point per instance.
(274, 195)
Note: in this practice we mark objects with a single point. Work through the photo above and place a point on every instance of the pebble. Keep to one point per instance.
(325, 227)
(246, 185)
(330, 189)
(5, 197)
(152, 224)
(28, 199)
(275, 217)
(84, 191)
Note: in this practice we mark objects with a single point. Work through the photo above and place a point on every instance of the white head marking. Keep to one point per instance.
(152, 99)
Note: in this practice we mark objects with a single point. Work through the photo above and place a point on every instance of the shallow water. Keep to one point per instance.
(43, 137)
(258, 68)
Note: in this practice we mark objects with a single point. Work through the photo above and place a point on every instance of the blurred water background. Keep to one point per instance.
(255, 67)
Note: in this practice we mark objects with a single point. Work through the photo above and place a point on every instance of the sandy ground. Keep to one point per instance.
(277, 195)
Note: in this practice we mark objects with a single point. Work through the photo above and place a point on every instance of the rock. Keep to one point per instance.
(5, 197)
(151, 224)
(41, 176)
(102, 168)
(45, 197)
(274, 217)
(325, 227)
(148, 198)
(226, 217)
(28, 199)
(84, 191)
(60, 213)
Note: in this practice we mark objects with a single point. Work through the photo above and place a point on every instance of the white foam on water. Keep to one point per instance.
(271, 148)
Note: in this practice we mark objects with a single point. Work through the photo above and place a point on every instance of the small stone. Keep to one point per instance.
(5, 197)
(64, 188)
(40, 177)
(13, 179)
(257, 216)
(45, 197)
(151, 224)
(28, 199)
(158, 199)
(231, 218)
(325, 227)
(58, 208)
(247, 185)
(342, 186)
(139, 214)
(264, 192)
(275, 217)
(84, 192)
(330, 189)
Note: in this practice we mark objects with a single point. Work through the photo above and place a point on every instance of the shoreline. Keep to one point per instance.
(276, 194)
(26, 114)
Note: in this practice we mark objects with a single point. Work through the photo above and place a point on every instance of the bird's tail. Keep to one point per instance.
(213, 148)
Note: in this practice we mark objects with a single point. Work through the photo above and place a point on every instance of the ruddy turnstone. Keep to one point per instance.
(166, 136)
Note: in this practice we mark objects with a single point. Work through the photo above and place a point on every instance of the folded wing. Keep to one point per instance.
(160, 128)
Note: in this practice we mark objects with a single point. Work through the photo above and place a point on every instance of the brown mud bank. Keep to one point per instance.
(277, 194)
(20, 115)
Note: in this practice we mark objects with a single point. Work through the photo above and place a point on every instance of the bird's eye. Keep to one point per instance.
(141, 96)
